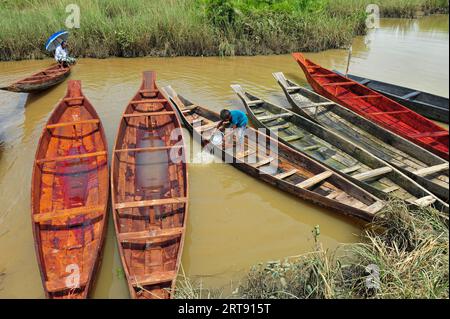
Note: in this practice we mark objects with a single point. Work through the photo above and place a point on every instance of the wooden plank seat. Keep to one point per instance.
(429, 134)
(70, 157)
(72, 212)
(245, 154)
(376, 207)
(148, 114)
(432, 169)
(391, 189)
(151, 202)
(411, 95)
(292, 138)
(339, 84)
(390, 113)
(331, 75)
(293, 88)
(263, 162)
(79, 99)
(360, 97)
(310, 182)
(94, 121)
(148, 149)
(365, 81)
(63, 283)
(315, 105)
(425, 201)
(148, 91)
(373, 173)
(254, 102)
(153, 279)
(274, 117)
(351, 169)
(144, 101)
(153, 236)
(286, 174)
(279, 127)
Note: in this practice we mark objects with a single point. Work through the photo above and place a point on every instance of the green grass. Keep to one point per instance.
(131, 28)
(410, 249)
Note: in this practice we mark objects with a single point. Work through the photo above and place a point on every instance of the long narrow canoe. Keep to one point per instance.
(40, 81)
(429, 105)
(264, 158)
(376, 107)
(427, 169)
(69, 196)
(336, 153)
(149, 185)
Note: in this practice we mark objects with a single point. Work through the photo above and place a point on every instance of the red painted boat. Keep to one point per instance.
(376, 107)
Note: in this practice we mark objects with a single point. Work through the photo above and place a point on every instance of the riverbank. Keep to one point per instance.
(136, 28)
(402, 254)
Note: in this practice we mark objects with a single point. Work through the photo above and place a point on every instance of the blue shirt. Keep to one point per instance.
(239, 118)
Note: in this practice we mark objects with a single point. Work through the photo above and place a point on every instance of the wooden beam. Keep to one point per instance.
(70, 157)
(274, 117)
(361, 97)
(149, 91)
(425, 201)
(292, 138)
(339, 84)
(152, 279)
(351, 169)
(310, 182)
(391, 189)
(72, 99)
(144, 101)
(430, 134)
(148, 114)
(263, 162)
(373, 173)
(62, 213)
(432, 170)
(149, 149)
(315, 105)
(280, 127)
(94, 121)
(245, 154)
(286, 174)
(390, 113)
(153, 235)
(253, 102)
(375, 207)
(411, 95)
(152, 202)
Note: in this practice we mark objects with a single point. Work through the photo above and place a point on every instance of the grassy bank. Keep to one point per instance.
(132, 28)
(407, 249)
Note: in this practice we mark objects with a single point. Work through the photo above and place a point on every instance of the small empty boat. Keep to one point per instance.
(429, 170)
(429, 105)
(376, 107)
(338, 154)
(69, 196)
(263, 157)
(150, 193)
(40, 81)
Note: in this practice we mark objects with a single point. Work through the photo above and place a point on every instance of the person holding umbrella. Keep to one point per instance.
(58, 43)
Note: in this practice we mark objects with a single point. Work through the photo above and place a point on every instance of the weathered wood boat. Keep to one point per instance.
(429, 105)
(40, 81)
(277, 164)
(376, 107)
(336, 153)
(149, 193)
(69, 196)
(429, 170)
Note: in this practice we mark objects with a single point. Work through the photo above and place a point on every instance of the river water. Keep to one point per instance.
(235, 221)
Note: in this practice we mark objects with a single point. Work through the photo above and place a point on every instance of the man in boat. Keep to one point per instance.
(236, 120)
(61, 55)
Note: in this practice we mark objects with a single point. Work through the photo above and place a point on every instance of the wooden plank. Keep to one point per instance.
(293, 88)
(148, 114)
(391, 189)
(312, 147)
(314, 105)
(70, 157)
(152, 279)
(335, 194)
(144, 101)
(253, 102)
(310, 182)
(432, 170)
(360, 97)
(61, 213)
(286, 174)
(279, 127)
(245, 154)
(375, 207)
(292, 138)
(274, 117)
(351, 169)
(390, 113)
(339, 84)
(149, 149)
(95, 121)
(263, 162)
(73, 99)
(411, 95)
(149, 91)
(373, 173)
(430, 134)
(152, 202)
(425, 201)
(151, 234)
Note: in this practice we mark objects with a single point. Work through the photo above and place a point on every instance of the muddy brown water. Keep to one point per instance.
(235, 221)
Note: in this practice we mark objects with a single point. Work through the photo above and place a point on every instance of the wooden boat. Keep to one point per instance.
(429, 170)
(429, 105)
(69, 196)
(149, 193)
(336, 153)
(40, 81)
(376, 107)
(277, 164)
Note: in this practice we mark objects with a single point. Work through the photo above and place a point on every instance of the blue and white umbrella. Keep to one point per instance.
(55, 40)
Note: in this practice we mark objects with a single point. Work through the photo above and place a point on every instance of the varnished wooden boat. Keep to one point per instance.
(336, 153)
(275, 163)
(429, 105)
(69, 196)
(40, 81)
(429, 170)
(376, 107)
(149, 193)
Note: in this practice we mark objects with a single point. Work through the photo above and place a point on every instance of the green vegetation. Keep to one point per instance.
(132, 28)
(409, 249)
